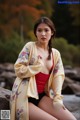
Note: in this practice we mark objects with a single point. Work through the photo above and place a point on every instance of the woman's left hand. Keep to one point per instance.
(59, 105)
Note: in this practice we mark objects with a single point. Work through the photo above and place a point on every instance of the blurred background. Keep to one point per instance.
(17, 19)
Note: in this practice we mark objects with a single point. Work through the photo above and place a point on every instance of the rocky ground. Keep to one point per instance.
(72, 102)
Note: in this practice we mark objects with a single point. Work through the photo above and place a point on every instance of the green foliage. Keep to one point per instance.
(70, 53)
(10, 48)
(47, 6)
(75, 12)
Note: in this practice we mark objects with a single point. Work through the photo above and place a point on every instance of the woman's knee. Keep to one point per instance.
(36, 113)
(67, 115)
(72, 117)
(46, 105)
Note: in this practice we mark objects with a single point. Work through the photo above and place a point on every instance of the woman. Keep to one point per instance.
(39, 70)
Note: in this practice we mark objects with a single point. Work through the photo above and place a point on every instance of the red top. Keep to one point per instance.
(42, 78)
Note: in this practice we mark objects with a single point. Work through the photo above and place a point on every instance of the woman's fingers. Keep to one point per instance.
(58, 105)
(64, 107)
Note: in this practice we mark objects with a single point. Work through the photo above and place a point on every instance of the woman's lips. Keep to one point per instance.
(43, 38)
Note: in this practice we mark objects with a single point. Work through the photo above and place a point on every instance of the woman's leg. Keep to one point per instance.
(35, 113)
(61, 114)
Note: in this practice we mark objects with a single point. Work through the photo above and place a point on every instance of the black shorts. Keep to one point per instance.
(36, 101)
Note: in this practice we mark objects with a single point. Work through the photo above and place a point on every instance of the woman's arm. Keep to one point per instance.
(57, 82)
(57, 88)
(25, 66)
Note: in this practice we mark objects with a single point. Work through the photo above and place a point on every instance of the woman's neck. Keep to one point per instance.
(42, 46)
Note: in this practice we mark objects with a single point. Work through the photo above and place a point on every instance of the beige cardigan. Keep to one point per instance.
(27, 65)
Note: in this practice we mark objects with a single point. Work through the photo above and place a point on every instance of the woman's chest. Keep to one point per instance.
(47, 63)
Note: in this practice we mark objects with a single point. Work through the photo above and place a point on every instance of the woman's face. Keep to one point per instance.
(43, 33)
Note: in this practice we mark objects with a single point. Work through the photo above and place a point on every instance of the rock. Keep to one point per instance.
(7, 75)
(4, 104)
(75, 88)
(7, 67)
(4, 99)
(69, 71)
(73, 73)
(5, 93)
(71, 87)
(72, 103)
(68, 90)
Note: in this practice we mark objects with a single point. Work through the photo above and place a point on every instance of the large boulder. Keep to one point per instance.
(73, 73)
(71, 87)
(7, 75)
(4, 99)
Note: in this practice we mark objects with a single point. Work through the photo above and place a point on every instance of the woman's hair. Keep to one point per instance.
(48, 22)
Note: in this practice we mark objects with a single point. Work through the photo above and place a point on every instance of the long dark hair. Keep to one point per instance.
(47, 21)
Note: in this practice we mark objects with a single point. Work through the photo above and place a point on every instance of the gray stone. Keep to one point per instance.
(72, 103)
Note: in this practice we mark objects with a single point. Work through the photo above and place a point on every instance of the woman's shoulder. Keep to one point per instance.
(31, 43)
(56, 55)
(55, 51)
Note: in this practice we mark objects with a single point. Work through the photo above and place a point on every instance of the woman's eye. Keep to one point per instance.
(39, 30)
(46, 30)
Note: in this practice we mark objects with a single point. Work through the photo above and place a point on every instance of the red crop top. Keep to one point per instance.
(41, 80)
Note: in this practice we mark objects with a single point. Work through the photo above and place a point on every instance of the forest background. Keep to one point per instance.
(17, 19)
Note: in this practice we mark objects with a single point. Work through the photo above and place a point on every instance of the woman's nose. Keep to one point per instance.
(43, 32)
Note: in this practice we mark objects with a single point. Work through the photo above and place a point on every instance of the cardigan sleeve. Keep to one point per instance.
(58, 68)
(57, 88)
(26, 66)
(58, 79)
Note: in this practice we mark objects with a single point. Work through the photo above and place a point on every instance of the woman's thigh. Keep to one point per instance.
(35, 113)
(47, 105)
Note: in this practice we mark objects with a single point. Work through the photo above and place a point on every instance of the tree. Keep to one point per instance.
(19, 16)
(64, 19)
